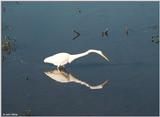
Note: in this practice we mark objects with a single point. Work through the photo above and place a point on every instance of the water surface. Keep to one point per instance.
(45, 28)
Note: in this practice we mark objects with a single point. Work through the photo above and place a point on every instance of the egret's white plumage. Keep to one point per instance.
(62, 59)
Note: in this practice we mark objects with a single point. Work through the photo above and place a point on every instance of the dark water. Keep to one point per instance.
(45, 28)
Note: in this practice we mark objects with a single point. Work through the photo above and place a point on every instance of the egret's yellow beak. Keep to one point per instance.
(104, 56)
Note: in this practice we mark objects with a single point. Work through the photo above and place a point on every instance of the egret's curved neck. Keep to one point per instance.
(76, 56)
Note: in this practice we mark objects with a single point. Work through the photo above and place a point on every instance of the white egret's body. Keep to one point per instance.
(62, 59)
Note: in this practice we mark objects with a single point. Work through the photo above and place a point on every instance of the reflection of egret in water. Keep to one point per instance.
(63, 76)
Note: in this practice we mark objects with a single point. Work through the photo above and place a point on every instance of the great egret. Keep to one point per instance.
(62, 59)
(63, 76)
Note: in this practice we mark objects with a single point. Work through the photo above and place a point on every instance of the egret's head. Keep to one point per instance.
(104, 55)
(99, 52)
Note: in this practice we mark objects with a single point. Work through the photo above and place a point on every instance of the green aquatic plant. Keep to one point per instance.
(155, 39)
(8, 44)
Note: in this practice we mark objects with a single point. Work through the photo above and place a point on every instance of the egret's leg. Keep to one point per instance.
(58, 68)
(61, 68)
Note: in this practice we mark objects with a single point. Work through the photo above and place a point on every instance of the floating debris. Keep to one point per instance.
(105, 33)
(27, 78)
(155, 39)
(126, 30)
(79, 10)
(77, 34)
